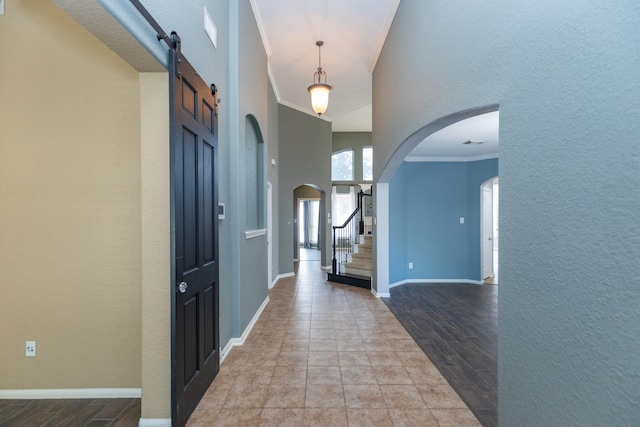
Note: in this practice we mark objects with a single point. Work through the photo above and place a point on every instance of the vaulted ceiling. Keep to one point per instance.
(353, 32)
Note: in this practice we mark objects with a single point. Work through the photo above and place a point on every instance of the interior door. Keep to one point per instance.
(195, 329)
(487, 231)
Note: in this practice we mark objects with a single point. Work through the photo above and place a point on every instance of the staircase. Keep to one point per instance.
(352, 249)
(357, 269)
(361, 263)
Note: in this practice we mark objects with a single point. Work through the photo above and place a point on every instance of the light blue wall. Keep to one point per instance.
(427, 200)
(565, 76)
(436, 241)
(397, 227)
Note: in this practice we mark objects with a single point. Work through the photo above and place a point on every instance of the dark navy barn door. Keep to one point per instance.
(195, 332)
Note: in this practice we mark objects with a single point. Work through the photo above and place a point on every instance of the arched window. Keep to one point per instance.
(342, 166)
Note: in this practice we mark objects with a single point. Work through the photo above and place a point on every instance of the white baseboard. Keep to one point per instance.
(404, 282)
(280, 276)
(381, 294)
(233, 342)
(154, 422)
(72, 393)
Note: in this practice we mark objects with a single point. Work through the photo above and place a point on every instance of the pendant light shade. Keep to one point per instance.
(319, 90)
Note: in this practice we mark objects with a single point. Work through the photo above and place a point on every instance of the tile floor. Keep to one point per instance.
(324, 354)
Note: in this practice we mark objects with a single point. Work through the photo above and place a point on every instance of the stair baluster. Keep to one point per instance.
(347, 235)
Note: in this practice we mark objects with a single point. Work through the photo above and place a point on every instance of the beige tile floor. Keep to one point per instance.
(324, 354)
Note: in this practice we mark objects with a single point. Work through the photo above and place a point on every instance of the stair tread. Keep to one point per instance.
(361, 255)
(362, 266)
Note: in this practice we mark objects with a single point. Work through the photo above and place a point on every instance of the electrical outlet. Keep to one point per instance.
(410, 266)
(31, 349)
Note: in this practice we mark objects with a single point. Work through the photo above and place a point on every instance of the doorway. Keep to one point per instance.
(308, 229)
(489, 218)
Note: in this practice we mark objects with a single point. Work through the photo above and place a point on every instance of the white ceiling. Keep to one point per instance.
(353, 32)
(449, 143)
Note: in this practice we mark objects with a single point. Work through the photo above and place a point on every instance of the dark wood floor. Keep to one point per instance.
(456, 325)
(70, 412)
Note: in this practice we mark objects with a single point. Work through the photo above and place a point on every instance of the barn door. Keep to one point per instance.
(195, 331)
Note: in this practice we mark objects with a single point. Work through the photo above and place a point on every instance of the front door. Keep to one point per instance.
(195, 331)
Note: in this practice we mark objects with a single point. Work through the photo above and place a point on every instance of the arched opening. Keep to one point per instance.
(434, 208)
(309, 209)
(431, 213)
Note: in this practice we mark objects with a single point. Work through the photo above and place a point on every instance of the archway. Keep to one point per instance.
(382, 234)
(309, 228)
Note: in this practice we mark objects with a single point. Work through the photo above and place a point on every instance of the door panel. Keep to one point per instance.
(195, 329)
(190, 199)
(210, 215)
(190, 338)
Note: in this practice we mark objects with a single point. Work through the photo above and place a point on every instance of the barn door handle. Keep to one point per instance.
(182, 287)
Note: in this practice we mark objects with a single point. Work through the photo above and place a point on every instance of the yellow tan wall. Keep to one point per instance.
(70, 205)
(156, 249)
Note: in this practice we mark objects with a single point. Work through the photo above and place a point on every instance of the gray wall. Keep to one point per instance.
(303, 141)
(565, 75)
(213, 66)
(355, 141)
(238, 67)
(272, 177)
(252, 88)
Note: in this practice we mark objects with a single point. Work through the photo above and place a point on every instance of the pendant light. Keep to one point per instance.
(319, 91)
